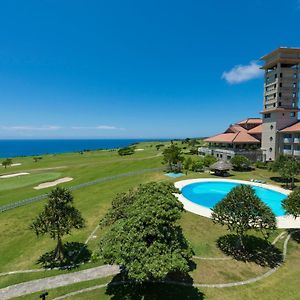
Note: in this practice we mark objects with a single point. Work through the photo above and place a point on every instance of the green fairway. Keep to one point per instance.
(27, 180)
(20, 248)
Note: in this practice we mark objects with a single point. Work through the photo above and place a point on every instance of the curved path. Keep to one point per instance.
(217, 285)
(107, 270)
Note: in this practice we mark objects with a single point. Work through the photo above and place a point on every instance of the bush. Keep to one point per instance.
(126, 151)
(208, 160)
(197, 166)
(261, 165)
(240, 163)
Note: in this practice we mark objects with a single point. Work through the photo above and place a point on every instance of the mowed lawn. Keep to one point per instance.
(20, 249)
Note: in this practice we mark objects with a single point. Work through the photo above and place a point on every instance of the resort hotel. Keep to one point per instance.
(278, 131)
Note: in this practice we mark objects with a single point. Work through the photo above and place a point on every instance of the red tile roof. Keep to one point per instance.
(293, 128)
(238, 137)
(256, 130)
(235, 128)
(251, 121)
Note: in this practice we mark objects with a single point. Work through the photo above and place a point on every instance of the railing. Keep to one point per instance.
(297, 152)
(287, 152)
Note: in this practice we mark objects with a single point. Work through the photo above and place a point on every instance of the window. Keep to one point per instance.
(270, 149)
(279, 95)
(287, 147)
(294, 95)
(280, 75)
(280, 84)
(274, 104)
(287, 136)
(295, 75)
(266, 116)
(275, 76)
(294, 85)
(271, 139)
(293, 104)
(271, 127)
(292, 114)
(279, 103)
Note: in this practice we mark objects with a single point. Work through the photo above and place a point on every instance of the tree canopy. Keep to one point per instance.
(58, 218)
(172, 157)
(145, 238)
(240, 163)
(241, 210)
(126, 151)
(292, 203)
(288, 170)
(7, 162)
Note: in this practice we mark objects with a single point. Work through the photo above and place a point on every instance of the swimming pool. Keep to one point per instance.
(209, 193)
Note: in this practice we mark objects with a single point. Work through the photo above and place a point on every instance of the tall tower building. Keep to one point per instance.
(281, 95)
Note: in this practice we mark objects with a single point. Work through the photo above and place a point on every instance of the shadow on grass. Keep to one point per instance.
(255, 250)
(295, 235)
(282, 180)
(121, 288)
(75, 254)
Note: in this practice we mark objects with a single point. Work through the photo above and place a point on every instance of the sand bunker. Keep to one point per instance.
(14, 175)
(16, 164)
(52, 183)
(139, 149)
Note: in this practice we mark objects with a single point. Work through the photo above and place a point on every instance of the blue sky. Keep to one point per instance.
(143, 69)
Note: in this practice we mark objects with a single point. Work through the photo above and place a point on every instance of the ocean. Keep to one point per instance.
(13, 148)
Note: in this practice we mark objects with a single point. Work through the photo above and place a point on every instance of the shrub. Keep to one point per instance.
(126, 151)
(240, 163)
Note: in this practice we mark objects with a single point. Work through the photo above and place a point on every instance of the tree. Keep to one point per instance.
(241, 210)
(172, 157)
(146, 239)
(37, 158)
(187, 164)
(158, 146)
(292, 203)
(240, 163)
(198, 165)
(208, 160)
(126, 151)
(58, 218)
(288, 169)
(7, 162)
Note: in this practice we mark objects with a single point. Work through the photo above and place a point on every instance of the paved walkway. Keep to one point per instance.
(107, 270)
(34, 286)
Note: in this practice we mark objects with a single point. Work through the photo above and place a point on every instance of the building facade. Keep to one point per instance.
(281, 89)
(278, 131)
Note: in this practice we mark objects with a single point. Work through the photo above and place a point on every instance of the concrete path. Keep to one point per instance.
(34, 286)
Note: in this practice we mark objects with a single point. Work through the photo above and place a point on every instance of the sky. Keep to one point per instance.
(135, 69)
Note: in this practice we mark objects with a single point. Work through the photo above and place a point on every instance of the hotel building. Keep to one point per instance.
(278, 131)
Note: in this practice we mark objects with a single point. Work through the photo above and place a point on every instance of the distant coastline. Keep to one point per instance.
(15, 148)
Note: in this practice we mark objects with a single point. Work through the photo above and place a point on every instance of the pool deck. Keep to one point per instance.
(282, 222)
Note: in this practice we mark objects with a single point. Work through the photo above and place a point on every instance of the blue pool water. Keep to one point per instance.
(210, 193)
(174, 175)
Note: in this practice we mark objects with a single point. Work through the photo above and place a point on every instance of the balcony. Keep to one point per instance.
(297, 140)
(297, 152)
(287, 140)
(287, 152)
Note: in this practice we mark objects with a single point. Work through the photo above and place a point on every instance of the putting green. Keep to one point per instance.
(27, 180)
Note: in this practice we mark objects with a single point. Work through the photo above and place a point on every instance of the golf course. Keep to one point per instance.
(95, 178)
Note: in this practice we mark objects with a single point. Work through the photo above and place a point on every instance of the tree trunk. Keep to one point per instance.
(59, 250)
(293, 182)
(239, 242)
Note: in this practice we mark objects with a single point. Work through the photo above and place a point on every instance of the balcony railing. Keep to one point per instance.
(287, 152)
(297, 152)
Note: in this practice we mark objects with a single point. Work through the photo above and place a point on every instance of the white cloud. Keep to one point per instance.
(99, 127)
(240, 73)
(30, 128)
